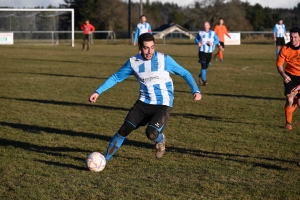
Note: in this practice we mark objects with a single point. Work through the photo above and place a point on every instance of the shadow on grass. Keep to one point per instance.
(56, 151)
(72, 76)
(65, 103)
(243, 159)
(68, 166)
(237, 96)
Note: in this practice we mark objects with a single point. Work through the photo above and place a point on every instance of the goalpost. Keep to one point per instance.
(39, 25)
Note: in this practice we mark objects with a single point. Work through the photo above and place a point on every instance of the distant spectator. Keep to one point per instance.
(87, 30)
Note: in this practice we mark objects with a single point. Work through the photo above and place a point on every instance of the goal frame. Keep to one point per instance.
(49, 9)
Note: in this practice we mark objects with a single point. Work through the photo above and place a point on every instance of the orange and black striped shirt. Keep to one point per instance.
(290, 55)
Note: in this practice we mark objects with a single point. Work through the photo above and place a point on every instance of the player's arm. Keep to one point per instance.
(198, 40)
(93, 28)
(274, 32)
(136, 35)
(279, 63)
(124, 72)
(173, 67)
(82, 27)
(216, 40)
(149, 28)
(226, 32)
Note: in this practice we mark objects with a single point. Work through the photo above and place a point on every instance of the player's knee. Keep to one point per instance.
(151, 133)
(125, 129)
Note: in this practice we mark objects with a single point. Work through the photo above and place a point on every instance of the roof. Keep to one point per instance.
(169, 28)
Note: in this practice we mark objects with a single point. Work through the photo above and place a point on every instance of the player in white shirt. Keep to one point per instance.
(142, 27)
(206, 41)
(152, 70)
(279, 31)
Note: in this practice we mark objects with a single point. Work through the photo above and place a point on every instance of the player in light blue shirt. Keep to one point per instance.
(142, 27)
(279, 31)
(206, 41)
(152, 70)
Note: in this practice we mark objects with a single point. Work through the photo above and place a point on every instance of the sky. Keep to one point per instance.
(46, 3)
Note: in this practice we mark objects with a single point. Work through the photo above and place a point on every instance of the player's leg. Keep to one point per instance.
(291, 101)
(155, 128)
(203, 69)
(217, 55)
(88, 42)
(130, 123)
(221, 51)
(84, 41)
(278, 46)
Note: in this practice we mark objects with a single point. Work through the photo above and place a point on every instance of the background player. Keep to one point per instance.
(206, 41)
(87, 30)
(221, 30)
(142, 27)
(279, 33)
(152, 69)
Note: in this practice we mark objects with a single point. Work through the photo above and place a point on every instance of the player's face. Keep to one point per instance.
(295, 39)
(206, 26)
(148, 50)
(280, 22)
(87, 22)
(221, 21)
(143, 20)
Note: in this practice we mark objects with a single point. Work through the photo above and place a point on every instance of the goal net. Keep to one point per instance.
(48, 26)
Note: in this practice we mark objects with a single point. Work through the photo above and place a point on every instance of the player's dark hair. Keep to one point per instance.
(221, 18)
(145, 37)
(142, 16)
(295, 29)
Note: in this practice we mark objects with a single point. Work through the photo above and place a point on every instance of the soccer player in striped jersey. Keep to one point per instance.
(142, 27)
(206, 41)
(290, 53)
(221, 31)
(87, 29)
(152, 70)
(279, 33)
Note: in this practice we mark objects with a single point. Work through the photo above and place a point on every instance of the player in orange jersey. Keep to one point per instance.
(221, 30)
(87, 29)
(290, 53)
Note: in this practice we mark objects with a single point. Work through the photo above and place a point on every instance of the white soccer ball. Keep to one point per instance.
(95, 161)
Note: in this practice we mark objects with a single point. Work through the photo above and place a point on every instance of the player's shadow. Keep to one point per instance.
(236, 96)
(57, 151)
(60, 152)
(243, 159)
(65, 103)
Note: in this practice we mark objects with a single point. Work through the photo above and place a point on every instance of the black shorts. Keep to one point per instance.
(295, 81)
(86, 37)
(221, 44)
(142, 114)
(204, 58)
(280, 41)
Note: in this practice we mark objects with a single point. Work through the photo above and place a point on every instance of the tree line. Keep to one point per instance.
(238, 16)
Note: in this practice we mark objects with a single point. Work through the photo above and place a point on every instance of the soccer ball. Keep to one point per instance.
(95, 161)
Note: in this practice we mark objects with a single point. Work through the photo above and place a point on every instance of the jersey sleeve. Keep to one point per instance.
(124, 72)
(136, 35)
(216, 39)
(197, 39)
(173, 67)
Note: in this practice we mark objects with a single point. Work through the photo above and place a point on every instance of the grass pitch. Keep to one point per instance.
(230, 145)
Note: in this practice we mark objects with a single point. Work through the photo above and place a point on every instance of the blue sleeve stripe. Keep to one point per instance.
(170, 92)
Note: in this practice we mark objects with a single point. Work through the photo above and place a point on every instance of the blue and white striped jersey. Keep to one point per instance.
(156, 85)
(140, 29)
(205, 37)
(279, 30)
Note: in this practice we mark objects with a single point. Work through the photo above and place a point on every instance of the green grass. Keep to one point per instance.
(230, 145)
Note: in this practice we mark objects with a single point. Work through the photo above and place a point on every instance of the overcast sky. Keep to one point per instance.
(46, 3)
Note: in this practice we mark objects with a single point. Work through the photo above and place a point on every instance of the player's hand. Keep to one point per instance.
(134, 44)
(199, 44)
(296, 89)
(197, 97)
(93, 97)
(286, 78)
(209, 43)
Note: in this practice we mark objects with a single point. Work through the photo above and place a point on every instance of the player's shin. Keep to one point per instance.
(114, 145)
(289, 113)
